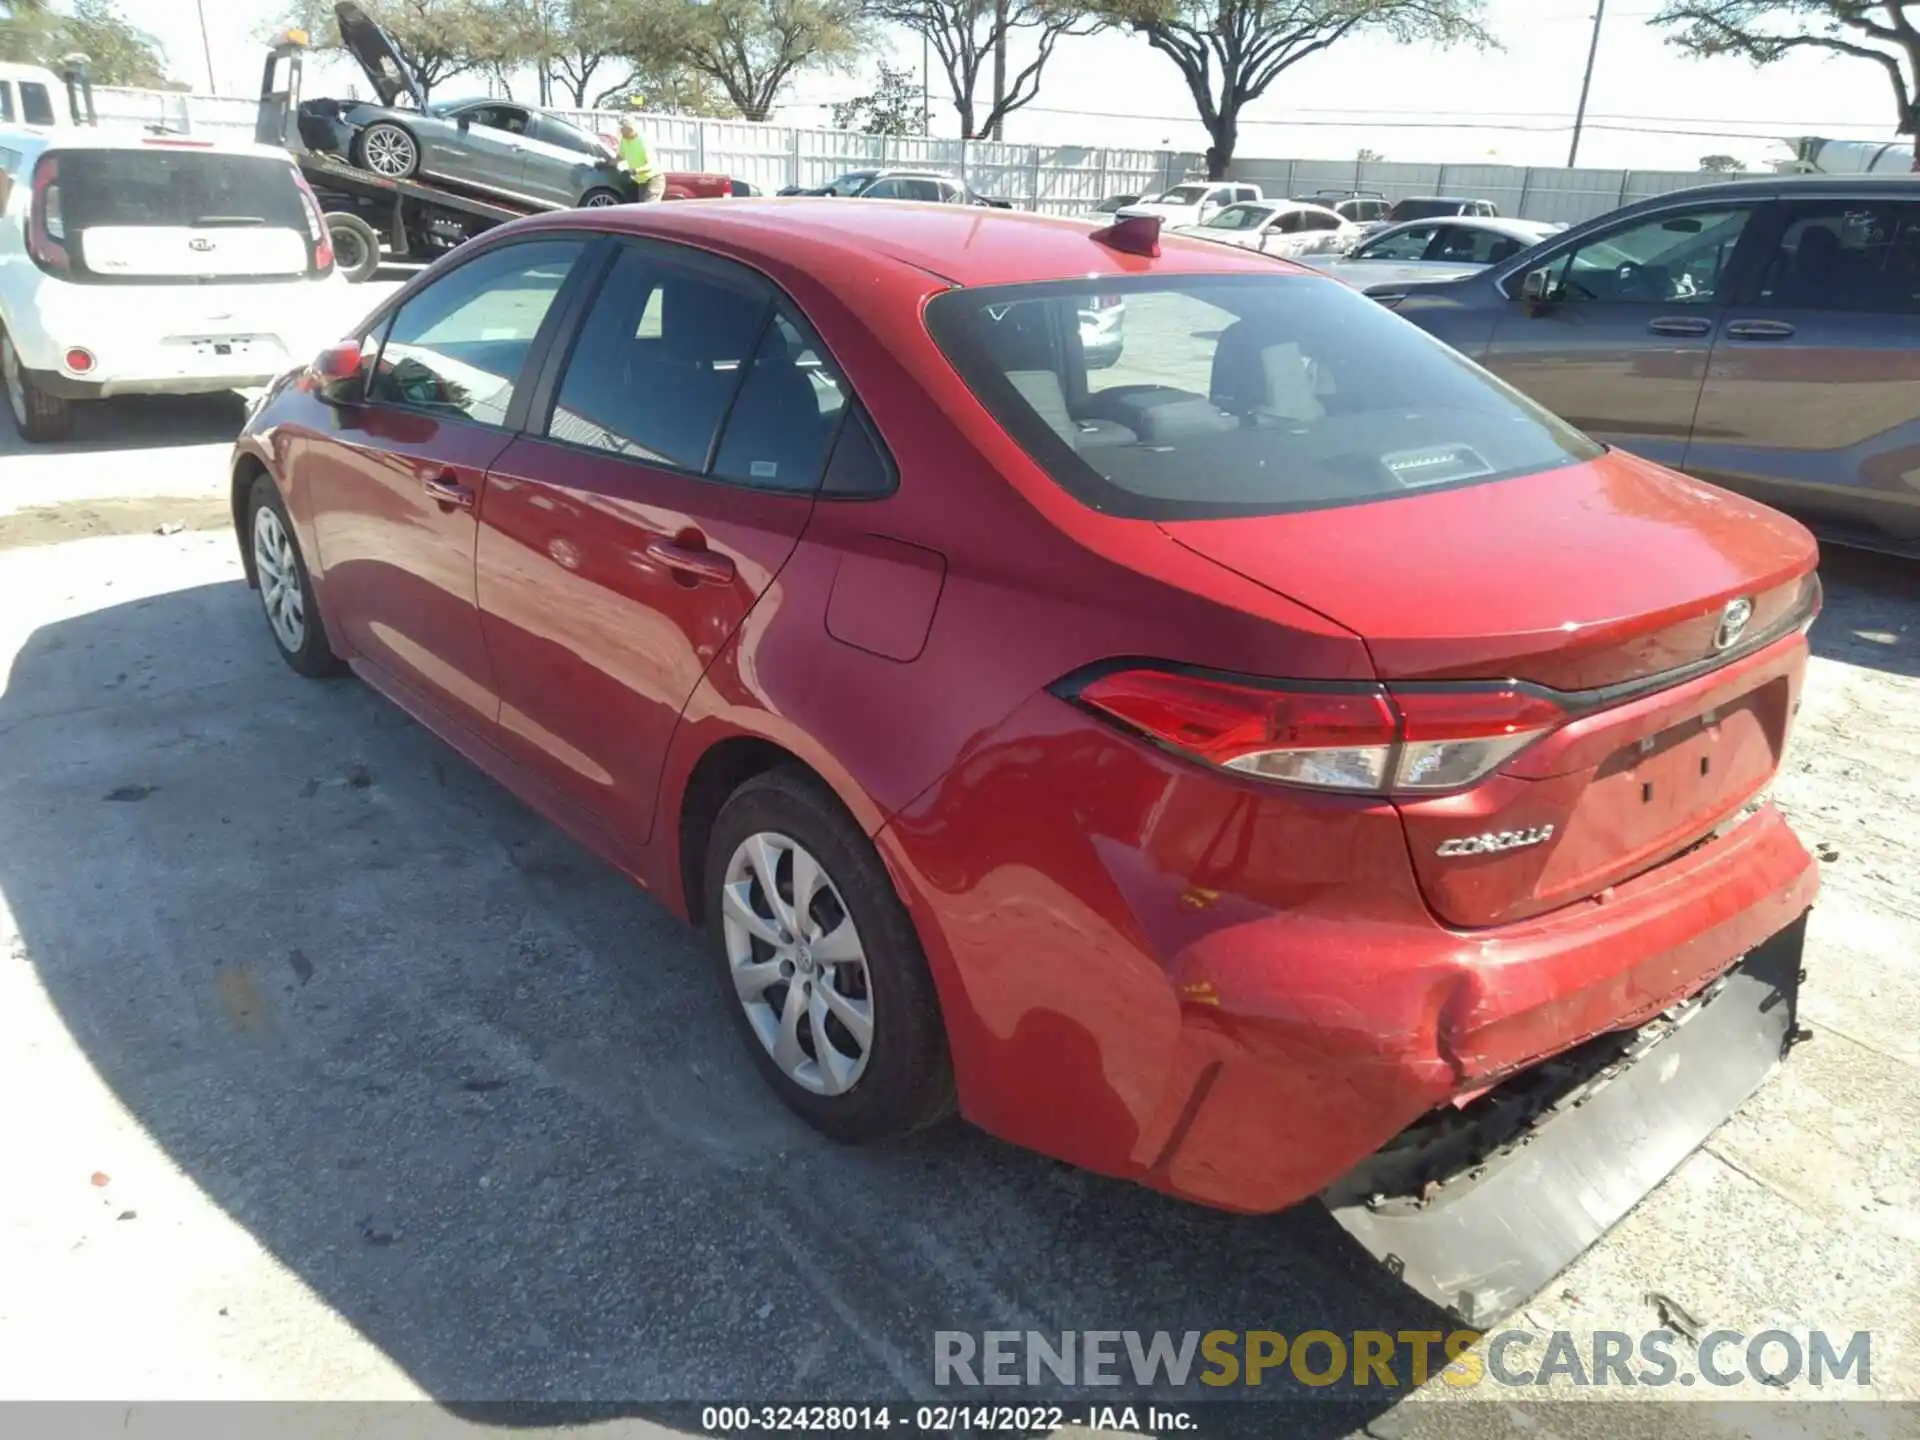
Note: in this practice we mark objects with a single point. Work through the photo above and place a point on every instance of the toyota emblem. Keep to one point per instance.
(1733, 621)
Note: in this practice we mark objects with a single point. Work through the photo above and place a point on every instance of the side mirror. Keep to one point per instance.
(334, 371)
(1536, 291)
(465, 122)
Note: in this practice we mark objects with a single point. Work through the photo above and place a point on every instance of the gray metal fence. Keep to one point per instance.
(1054, 179)
(1531, 192)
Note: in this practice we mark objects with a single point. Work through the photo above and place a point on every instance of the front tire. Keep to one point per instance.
(38, 416)
(601, 198)
(388, 150)
(286, 590)
(820, 965)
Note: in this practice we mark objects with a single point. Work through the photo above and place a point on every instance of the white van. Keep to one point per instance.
(154, 265)
(33, 95)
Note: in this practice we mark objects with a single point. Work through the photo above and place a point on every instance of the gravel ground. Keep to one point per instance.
(335, 1073)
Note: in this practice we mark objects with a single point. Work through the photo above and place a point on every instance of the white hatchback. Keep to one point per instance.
(154, 265)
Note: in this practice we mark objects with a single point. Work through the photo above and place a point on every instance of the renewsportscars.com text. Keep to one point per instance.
(1460, 1358)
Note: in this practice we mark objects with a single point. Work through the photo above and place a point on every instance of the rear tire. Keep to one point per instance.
(38, 416)
(286, 590)
(849, 963)
(356, 246)
(388, 150)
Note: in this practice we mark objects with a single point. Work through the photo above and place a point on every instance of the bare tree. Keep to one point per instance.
(752, 48)
(1230, 51)
(967, 34)
(1883, 32)
(1722, 164)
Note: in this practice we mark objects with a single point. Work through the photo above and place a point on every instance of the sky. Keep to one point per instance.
(1512, 106)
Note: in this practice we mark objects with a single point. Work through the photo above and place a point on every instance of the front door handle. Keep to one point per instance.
(1760, 329)
(447, 492)
(695, 562)
(1680, 325)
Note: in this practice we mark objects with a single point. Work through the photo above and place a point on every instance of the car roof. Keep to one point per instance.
(1438, 200)
(84, 137)
(964, 245)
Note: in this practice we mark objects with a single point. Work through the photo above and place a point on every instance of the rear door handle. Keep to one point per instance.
(697, 563)
(1760, 329)
(1680, 325)
(444, 491)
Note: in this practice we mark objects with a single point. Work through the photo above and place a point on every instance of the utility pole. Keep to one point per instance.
(999, 63)
(1586, 83)
(926, 92)
(206, 46)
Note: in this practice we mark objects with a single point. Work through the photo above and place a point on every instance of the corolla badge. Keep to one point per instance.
(1733, 620)
(200, 243)
(1494, 842)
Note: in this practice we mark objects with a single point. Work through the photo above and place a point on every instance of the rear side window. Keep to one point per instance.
(459, 346)
(36, 104)
(1857, 255)
(1239, 395)
(6, 102)
(785, 416)
(658, 362)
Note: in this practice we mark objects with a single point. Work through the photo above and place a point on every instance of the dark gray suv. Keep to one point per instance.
(1762, 334)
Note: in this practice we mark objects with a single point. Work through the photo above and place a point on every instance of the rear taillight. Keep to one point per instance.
(1361, 738)
(318, 238)
(46, 232)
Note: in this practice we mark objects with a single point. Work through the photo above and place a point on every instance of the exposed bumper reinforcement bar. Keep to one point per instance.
(1478, 1208)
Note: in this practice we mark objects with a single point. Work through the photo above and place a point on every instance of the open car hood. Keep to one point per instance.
(371, 46)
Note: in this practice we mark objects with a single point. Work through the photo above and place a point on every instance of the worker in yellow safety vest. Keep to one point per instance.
(634, 155)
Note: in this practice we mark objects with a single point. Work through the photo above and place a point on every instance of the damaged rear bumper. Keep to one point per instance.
(1478, 1206)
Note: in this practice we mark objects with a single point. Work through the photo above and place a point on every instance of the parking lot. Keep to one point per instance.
(335, 1072)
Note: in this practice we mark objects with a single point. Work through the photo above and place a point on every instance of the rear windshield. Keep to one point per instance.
(1236, 395)
(1185, 195)
(1423, 209)
(158, 187)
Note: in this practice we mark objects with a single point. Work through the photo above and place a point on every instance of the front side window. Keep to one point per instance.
(1408, 244)
(1670, 259)
(659, 360)
(884, 190)
(6, 102)
(36, 104)
(554, 131)
(851, 183)
(499, 117)
(458, 347)
(1858, 255)
(1239, 395)
(1471, 245)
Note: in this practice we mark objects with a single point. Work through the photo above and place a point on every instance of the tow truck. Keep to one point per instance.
(415, 218)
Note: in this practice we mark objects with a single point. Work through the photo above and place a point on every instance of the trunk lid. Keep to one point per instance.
(187, 252)
(1614, 583)
(371, 46)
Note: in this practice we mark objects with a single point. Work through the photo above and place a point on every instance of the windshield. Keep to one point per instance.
(1182, 195)
(1239, 395)
(1114, 202)
(851, 183)
(1422, 209)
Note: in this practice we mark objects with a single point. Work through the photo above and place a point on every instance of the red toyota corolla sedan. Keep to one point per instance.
(1279, 761)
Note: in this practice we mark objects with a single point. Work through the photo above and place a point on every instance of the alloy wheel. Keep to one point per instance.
(799, 967)
(599, 199)
(389, 151)
(280, 593)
